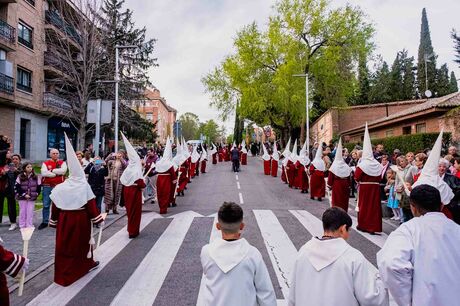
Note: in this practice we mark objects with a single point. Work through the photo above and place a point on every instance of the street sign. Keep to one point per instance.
(106, 111)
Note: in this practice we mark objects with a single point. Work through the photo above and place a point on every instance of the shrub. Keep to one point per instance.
(407, 143)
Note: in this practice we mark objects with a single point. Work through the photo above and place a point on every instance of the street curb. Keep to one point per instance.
(45, 266)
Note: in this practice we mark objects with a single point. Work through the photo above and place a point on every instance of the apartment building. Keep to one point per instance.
(33, 113)
(155, 109)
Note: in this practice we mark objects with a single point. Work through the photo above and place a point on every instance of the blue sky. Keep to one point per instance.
(195, 35)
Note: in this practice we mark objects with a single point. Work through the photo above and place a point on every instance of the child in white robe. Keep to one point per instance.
(234, 271)
(328, 271)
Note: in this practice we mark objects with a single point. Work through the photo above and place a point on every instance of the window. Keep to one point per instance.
(420, 128)
(149, 116)
(24, 80)
(389, 133)
(25, 35)
(406, 130)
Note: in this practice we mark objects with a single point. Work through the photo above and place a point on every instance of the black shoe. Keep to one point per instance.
(96, 265)
(152, 202)
(116, 212)
(133, 236)
(42, 226)
(312, 198)
(320, 199)
(174, 205)
(352, 196)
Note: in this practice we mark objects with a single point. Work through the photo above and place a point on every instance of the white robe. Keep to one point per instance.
(331, 272)
(420, 261)
(235, 274)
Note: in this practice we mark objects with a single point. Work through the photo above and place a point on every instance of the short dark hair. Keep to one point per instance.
(334, 217)
(426, 198)
(230, 216)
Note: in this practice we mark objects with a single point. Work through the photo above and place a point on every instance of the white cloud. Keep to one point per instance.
(194, 36)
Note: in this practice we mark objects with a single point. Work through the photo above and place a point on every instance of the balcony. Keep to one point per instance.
(53, 18)
(7, 36)
(53, 67)
(55, 103)
(6, 84)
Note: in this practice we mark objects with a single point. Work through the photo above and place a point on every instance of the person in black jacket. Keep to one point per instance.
(97, 171)
(235, 159)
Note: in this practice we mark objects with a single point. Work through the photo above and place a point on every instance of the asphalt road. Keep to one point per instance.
(162, 266)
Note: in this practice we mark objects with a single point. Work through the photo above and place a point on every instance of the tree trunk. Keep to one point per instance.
(81, 137)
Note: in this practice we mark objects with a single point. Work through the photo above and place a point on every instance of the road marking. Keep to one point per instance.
(56, 295)
(144, 284)
(238, 185)
(378, 240)
(310, 222)
(281, 250)
(241, 198)
(236, 175)
(214, 235)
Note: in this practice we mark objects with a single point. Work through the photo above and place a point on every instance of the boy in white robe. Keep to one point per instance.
(328, 271)
(234, 271)
(420, 261)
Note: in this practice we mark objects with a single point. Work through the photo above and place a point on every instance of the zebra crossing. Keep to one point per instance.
(177, 244)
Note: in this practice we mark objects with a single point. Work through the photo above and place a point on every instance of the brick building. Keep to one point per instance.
(390, 119)
(32, 113)
(155, 109)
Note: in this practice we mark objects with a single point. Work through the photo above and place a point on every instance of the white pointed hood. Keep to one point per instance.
(287, 150)
(339, 167)
(430, 175)
(195, 154)
(303, 155)
(266, 156)
(204, 153)
(75, 191)
(133, 171)
(368, 163)
(318, 161)
(213, 149)
(165, 162)
(243, 147)
(179, 158)
(275, 155)
(185, 150)
(293, 156)
(228, 254)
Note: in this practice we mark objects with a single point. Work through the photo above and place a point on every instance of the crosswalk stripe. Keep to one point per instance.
(281, 250)
(56, 295)
(144, 284)
(310, 222)
(214, 235)
(378, 240)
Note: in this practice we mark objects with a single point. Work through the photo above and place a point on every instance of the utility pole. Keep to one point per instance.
(307, 109)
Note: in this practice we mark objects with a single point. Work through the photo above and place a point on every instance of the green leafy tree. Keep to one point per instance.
(408, 84)
(190, 125)
(442, 81)
(425, 49)
(209, 129)
(453, 83)
(363, 81)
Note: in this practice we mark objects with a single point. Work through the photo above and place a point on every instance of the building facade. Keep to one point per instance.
(32, 113)
(155, 109)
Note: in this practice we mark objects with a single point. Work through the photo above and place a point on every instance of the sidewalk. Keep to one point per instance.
(41, 246)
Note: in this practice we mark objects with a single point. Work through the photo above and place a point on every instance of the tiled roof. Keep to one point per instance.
(448, 101)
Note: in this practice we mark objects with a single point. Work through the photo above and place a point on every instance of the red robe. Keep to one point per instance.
(183, 179)
(303, 178)
(227, 154)
(203, 166)
(221, 156)
(317, 184)
(10, 264)
(291, 173)
(132, 196)
(267, 166)
(164, 183)
(299, 168)
(370, 210)
(214, 158)
(283, 174)
(274, 168)
(244, 158)
(340, 190)
(192, 170)
(73, 233)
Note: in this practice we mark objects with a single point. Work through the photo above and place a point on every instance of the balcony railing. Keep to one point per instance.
(6, 84)
(57, 103)
(53, 18)
(7, 32)
(26, 43)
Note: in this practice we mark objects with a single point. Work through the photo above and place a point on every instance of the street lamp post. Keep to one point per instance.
(307, 109)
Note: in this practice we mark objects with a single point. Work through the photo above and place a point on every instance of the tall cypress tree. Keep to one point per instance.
(396, 78)
(453, 83)
(425, 49)
(363, 82)
(456, 39)
(442, 81)
(380, 85)
(408, 85)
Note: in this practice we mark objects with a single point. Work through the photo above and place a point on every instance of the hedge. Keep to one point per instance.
(407, 143)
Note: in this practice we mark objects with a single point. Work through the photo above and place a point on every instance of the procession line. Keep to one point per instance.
(144, 284)
(280, 248)
(56, 295)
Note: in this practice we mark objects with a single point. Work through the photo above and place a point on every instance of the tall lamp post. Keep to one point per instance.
(307, 119)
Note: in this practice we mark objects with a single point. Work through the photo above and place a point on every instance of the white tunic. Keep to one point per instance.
(420, 261)
(331, 272)
(235, 274)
